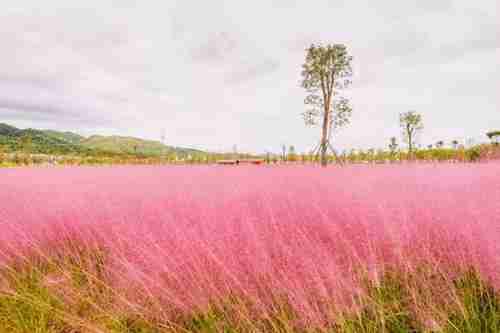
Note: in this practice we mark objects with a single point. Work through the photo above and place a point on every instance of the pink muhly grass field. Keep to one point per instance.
(176, 239)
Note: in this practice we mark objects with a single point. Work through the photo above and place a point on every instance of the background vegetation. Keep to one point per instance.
(35, 147)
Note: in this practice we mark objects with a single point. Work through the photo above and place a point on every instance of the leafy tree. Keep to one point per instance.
(411, 123)
(393, 145)
(494, 136)
(292, 155)
(327, 70)
(454, 143)
(440, 144)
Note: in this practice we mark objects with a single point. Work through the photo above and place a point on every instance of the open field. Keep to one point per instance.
(392, 248)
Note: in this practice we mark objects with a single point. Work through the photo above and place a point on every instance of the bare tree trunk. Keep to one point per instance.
(324, 137)
(409, 133)
(410, 146)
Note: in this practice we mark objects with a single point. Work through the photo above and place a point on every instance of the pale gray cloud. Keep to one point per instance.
(253, 71)
(217, 73)
(216, 49)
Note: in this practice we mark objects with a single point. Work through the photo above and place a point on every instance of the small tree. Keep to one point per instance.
(494, 136)
(393, 146)
(440, 144)
(326, 71)
(454, 143)
(411, 123)
(292, 155)
(283, 152)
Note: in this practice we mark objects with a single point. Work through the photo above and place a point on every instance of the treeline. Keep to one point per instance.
(20, 158)
(476, 153)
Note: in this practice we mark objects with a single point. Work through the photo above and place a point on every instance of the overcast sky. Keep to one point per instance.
(212, 74)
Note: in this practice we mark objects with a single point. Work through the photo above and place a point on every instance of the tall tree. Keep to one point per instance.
(327, 70)
(411, 123)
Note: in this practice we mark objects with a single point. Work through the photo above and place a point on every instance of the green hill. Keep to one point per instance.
(7, 130)
(66, 136)
(128, 145)
(13, 139)
(131, 145)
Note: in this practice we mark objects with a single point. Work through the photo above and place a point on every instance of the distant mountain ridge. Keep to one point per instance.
(66, 136)
(54, 142)
(13, 139)
(8, 130)
(131, 145)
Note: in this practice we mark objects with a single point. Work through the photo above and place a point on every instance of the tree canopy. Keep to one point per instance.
(493, 134)
(411, 123)
(326, 71)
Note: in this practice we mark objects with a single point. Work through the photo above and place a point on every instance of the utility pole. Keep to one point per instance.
(163, 154)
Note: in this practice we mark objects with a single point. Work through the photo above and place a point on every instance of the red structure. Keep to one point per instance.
(242, 161)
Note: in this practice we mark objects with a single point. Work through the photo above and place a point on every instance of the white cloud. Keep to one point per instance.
(218, 73)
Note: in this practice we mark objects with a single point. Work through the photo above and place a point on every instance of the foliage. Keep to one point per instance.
(32, 305)
(65, 136)
(41, 147)
(494, 136)
(35, 141)
(292, 155)
(393, 145)
(130, 145)
(327, 70)
(479, 309)
(411, 123)
(48, 142)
